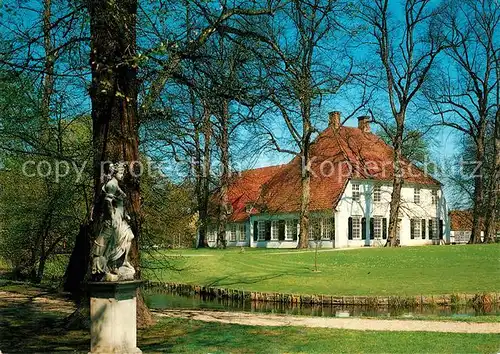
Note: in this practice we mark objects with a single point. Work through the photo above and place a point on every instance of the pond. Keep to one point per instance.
(159, 298)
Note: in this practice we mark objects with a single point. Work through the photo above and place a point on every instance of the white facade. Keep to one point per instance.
(365, 204)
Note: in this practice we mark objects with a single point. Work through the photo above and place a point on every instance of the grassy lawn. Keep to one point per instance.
(372, 271)
(24, 329)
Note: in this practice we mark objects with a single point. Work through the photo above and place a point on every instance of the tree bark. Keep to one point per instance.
(114, 111)
(397, 183)
(203, 176)
(478, 212)
(223, 143)
(494, 187)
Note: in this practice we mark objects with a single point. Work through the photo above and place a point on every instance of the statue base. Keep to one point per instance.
(113, 316)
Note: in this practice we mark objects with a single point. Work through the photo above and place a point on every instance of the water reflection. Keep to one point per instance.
(159, 298)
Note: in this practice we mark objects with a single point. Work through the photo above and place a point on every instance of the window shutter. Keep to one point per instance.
(412, 227)
(255, 230)
(363, 228)
(441, 231)
(281, 230)
(431, 230)
(384, 228)
(294, 230)
(423, 229)
(372, 229)
(332, 231)
(268, 231)
(349, 231)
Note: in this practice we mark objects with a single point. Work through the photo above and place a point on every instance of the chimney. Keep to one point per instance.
(364, 124)
(334, 120)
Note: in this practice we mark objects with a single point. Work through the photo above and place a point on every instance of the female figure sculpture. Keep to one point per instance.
(112, 245)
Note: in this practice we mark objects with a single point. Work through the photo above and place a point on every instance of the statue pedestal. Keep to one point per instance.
(113, 311)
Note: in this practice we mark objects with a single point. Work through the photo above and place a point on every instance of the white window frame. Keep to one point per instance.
(261, 230)
(377, 194)
(417, 228)
(377, 229)
(356, 192)
(275, 230)
(416, 195)
(326, 228)
(232, 233)
(289, 225)
(435, 232)
(241, 232)
(314, 222)
(356, 228)
(211, 234)
(434, 196)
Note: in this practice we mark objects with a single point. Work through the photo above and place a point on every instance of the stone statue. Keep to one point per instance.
(111, 248)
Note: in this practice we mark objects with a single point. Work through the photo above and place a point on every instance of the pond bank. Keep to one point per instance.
(480, 300)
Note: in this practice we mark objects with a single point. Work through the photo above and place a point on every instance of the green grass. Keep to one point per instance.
(25, 329)
(423, 270)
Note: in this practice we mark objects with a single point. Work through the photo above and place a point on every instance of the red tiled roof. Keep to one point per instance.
(246, 189)
(336, 157)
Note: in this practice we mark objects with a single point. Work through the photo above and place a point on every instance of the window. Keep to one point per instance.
(377, 228)
(274, 230)
(289, 229)
(232, 232)
(377, 194)
(355, 192)
(416, 231)
(261, 230)
(416, 195)
(315, 229)
(328, 230)
(433, 228)
(434, 196)
(356, 227)
(241, 231)
(211, 233)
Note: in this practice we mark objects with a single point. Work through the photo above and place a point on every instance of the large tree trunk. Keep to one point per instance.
(203, 177)
(478, 212)
(397, 184)
(225, 208)
(305, 178)
(304, 209)
(114, 111)
(494, 187)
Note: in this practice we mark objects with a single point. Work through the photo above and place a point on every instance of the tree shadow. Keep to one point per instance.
(235, 279)
(25, 328)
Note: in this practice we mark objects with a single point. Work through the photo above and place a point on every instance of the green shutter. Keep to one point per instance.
(384, 228)
(423, 229)
(255, 230)
(363, 228)
(294, 229)
(431, 235)
(281, 228)
(441, 230)
(349, 231)
(332, 231)
(412, 227)
(268, 231)
(372, 229)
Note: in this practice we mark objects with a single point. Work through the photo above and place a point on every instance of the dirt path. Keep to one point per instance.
(253, 319)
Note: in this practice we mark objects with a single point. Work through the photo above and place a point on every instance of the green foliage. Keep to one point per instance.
(44, 178)
(374, 271)
(169, 213)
